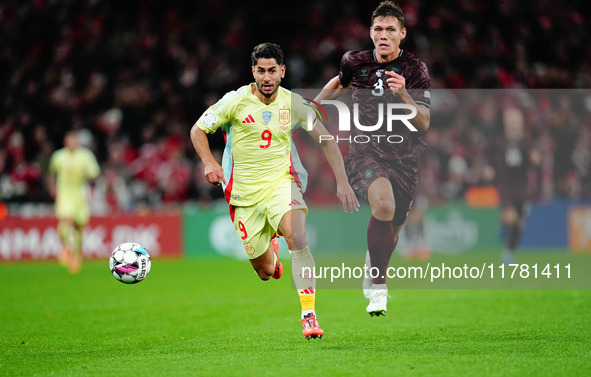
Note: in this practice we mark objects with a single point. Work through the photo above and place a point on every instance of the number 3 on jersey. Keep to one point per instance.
(266, 136)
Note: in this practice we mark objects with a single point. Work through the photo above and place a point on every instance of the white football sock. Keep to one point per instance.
(302, 263)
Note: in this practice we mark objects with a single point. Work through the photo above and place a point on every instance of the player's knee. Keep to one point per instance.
(296, 238)
(297, 241)
(384, 209)
(509, 217)
(265, 272)
(67, 222)
(264, 276)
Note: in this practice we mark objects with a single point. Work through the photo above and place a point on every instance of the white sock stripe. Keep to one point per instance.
(306, 312)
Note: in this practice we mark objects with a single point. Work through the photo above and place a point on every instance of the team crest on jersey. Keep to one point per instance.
(363, 73)
(395, 67)
(267, 117)
(284, 116)
(249, 248)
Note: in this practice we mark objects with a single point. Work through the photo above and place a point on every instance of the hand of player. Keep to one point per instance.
(214, 173)
(395, 81)
(347, 196)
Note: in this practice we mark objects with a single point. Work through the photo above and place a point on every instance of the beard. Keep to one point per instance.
(268, 94)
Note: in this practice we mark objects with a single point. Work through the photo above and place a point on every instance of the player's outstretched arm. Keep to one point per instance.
(213, 171)
(335, 159)
(332, 90)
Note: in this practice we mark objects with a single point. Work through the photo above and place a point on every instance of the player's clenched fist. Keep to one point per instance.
(214, 173)
(395, 81)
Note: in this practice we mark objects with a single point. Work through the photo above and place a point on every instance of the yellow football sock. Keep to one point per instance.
(307, 301)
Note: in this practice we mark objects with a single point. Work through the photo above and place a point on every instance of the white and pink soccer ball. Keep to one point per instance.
(130, 263)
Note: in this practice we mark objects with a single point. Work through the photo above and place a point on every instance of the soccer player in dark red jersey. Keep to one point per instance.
(384, 173)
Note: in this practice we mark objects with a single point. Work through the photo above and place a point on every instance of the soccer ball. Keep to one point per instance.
(130, 263)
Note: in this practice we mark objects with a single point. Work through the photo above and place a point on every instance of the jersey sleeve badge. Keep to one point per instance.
(209, 120)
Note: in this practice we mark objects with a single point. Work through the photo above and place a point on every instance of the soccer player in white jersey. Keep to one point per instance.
(260, 173)
(71, 167)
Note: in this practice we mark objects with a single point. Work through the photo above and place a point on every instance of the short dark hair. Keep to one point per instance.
(267, 50)
(388, 9)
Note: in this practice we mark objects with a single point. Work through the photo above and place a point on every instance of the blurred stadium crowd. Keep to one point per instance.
(132, 77)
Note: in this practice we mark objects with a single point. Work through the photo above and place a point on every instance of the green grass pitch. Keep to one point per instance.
(212, 316)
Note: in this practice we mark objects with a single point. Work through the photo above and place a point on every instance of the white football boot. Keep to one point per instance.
(378, 302)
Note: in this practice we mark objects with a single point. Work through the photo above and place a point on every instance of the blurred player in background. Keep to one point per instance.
(384, 174)
(513, 157)
(259, 175)
(414, 230)
(70, 169)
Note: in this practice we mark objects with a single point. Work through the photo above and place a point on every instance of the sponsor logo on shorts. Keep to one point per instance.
(368, 173)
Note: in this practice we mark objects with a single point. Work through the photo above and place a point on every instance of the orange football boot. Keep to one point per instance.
(311, 328)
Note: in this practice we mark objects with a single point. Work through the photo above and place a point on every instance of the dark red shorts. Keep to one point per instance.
(403, 175)
(520, 204)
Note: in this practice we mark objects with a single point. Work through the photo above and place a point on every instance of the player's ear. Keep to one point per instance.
(403, 33)
(283, 71)
(253, 71)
